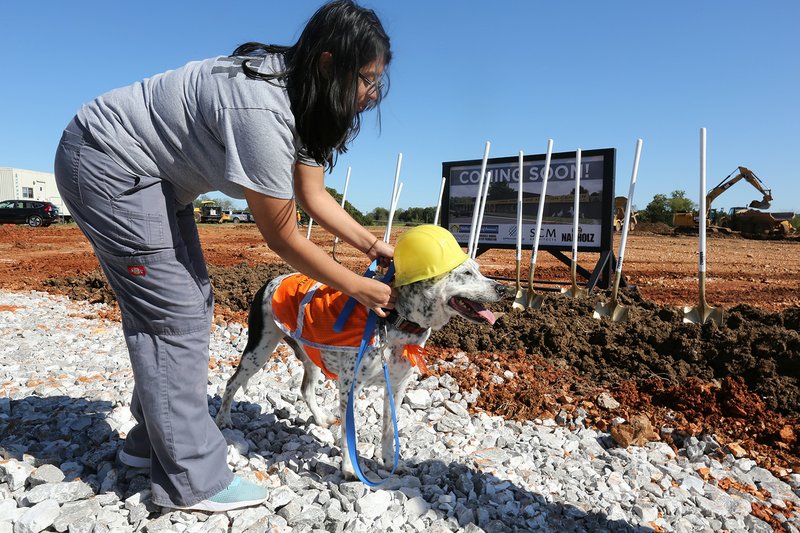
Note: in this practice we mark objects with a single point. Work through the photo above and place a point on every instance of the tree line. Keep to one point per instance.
(660, 209)
(378, 216)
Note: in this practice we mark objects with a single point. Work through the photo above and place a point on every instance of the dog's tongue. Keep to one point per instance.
(484, 313)
(488, 316)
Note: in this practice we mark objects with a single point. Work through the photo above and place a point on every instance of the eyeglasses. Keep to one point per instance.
(372, 85)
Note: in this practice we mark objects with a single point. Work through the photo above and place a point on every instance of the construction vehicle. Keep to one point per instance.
(757, 224)
(620, 203)
(688, 222)
(209, 211)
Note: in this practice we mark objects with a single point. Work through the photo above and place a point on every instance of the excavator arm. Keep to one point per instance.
(749, 176)
(753, 180)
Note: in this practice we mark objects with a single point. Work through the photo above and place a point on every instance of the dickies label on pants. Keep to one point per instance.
(137, 270)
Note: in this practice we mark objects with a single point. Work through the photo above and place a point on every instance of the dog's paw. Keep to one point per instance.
(387, 453)
(326, 420)
(349, 472)
(223, 420)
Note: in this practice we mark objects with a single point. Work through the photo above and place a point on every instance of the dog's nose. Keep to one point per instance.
(502, 290)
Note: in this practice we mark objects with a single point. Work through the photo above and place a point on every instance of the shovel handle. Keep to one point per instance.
(439, 203)
(395, 195)
(574, 272)
(478, 198)
(519, 215)
(576, 209)
(542, 196)
(702, 285)
(479, 225)
(344, 196)
(626, 220)
(531, 270)
(702, 214)
(615, 288)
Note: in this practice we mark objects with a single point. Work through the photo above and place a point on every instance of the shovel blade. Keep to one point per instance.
(535, 301)
(714, 314)
(575, 292)
(691, 315)
(519, 301)
(620, 313)
(702, 314)
(615, 311)
(601, 310)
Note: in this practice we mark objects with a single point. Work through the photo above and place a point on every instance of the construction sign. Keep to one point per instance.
(499, 228)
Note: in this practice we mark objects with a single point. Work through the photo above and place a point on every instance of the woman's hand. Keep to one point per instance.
(375, 295)
(382, 251)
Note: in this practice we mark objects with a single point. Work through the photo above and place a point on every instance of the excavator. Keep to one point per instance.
(749, 221)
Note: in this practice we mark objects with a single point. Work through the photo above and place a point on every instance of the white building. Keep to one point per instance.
(21, 184)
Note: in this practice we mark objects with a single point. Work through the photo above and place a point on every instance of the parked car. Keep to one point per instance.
(240, 216)
(34, 213)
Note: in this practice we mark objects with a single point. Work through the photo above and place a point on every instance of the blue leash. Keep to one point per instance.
(350, 419)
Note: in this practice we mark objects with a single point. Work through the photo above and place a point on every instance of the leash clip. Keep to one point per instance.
(381, 342)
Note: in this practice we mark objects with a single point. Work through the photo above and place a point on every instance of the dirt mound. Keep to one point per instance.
(234, 287)
(658, 228)
(661, 228)
(763, 348)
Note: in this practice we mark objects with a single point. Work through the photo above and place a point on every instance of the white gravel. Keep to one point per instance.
(65, 385)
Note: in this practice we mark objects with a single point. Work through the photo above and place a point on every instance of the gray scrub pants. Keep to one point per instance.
(150, 252)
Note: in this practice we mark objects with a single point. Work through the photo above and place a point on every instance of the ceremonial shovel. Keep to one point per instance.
(703, 312)
(344, 195)
(519, 299)
(574, 291)
(613, 309)
(533, 300)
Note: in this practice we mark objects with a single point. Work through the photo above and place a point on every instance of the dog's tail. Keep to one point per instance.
(255, 320)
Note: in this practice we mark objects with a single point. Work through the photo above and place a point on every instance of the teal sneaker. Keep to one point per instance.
(240, 493)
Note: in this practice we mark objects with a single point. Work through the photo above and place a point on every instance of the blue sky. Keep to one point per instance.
(587, 74)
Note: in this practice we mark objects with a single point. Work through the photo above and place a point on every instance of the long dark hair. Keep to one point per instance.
(324, 104)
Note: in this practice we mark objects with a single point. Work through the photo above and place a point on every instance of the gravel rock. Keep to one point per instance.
(46, 474)
(606, 401)
(37, 518)
(15, 473)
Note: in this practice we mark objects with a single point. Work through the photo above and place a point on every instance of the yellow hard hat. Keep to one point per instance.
(425, 252)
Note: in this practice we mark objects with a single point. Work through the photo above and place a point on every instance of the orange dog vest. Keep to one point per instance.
(306, 310)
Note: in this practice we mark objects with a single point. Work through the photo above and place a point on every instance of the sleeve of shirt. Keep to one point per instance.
(260, 151)
(304, 159)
